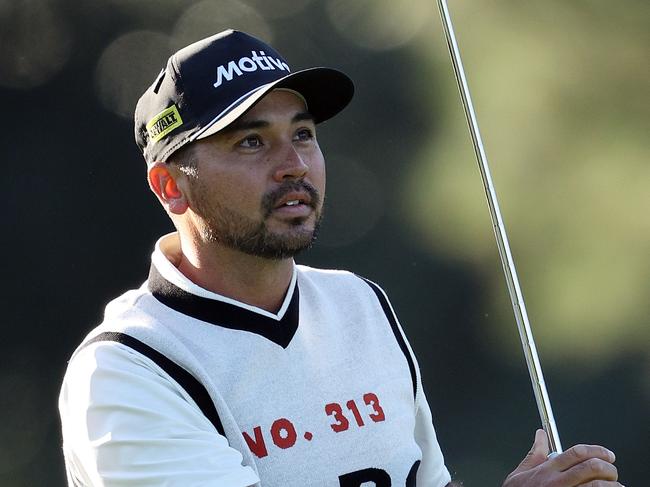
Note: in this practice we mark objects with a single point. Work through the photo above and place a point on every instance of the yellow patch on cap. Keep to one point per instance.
(163, 123)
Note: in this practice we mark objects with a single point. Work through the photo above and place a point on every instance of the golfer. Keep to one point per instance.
(232, 366)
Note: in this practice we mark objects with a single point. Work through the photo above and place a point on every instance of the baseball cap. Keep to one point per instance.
(209, 84)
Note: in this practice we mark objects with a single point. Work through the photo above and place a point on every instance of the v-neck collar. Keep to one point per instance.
(174, 290)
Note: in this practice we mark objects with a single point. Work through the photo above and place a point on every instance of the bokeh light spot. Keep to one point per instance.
(150, 12)
(35, 43)
(275, 9)
(127, 67)
(212, 16)
(379, 24)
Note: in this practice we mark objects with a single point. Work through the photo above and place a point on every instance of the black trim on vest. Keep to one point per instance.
(187, 381)
(392, 319)
(224, 314)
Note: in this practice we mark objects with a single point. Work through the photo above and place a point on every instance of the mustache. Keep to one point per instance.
(271, 198)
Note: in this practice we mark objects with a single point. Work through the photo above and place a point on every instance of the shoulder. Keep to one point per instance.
(115, 400)
(305, 271)
(335, 278)
(129, 343)
(112, 362)
(136, 313)
(345, 285)
(133, 303)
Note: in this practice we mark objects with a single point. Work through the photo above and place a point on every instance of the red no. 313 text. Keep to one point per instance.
(284, 434)
(341, 423)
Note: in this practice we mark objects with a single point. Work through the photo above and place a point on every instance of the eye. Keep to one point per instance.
(304, 135)
(250, 142)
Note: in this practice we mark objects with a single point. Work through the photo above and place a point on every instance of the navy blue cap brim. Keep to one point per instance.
(326, 92)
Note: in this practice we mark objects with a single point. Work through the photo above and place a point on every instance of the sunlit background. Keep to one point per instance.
(561, 93)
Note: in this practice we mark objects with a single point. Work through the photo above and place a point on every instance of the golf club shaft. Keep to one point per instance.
(516, 296)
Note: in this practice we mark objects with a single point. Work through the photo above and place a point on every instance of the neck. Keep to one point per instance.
(252, 280)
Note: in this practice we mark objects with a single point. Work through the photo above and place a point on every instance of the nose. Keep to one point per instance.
(292, 166)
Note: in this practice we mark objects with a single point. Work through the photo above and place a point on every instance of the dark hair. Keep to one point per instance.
(185, 159)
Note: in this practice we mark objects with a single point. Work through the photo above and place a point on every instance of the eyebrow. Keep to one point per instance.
(302, 116)
(242, 125)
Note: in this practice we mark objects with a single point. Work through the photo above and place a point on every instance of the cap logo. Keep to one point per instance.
(248, 65)
(163, 123)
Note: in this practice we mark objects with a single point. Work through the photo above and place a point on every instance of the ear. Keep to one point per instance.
(164, 184)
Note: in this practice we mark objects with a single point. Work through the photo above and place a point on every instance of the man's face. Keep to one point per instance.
(259, 184)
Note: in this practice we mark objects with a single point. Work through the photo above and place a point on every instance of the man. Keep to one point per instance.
(231, 365)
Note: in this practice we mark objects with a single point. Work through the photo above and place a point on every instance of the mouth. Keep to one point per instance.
(293, 200)
(294, 206)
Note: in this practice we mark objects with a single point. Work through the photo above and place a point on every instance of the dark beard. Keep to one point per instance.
(231, 229)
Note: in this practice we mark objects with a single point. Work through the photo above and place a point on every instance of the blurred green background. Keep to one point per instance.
(561, 93)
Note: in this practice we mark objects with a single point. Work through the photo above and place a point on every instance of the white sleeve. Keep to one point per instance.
(127, 423)
(432, 471)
